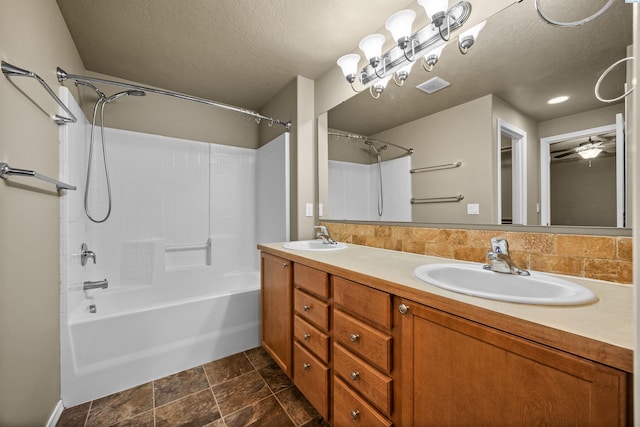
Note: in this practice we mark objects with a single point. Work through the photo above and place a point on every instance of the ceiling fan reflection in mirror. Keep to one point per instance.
(590, 149)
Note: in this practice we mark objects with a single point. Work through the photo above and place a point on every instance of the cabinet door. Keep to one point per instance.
(459, 373)
(275, 304)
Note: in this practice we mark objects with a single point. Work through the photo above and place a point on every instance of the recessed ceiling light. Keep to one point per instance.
(557, 100)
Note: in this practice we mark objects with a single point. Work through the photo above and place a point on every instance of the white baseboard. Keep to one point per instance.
(55, 415)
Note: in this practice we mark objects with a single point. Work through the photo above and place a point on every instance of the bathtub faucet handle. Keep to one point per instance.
(85, 254)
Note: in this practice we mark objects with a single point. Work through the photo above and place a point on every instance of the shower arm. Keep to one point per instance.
(409, 151)
(63, 75)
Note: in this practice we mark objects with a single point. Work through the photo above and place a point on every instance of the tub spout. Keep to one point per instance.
(98, 284)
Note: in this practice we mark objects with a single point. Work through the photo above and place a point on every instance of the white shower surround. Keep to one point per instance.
(353, 190)
(167, 192)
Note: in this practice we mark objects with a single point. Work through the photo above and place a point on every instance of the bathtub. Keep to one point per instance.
(141, 334)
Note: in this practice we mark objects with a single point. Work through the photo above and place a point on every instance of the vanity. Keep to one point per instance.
(370, 344)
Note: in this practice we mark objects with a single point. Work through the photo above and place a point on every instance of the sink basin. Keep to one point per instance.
(472, 279)
(314, 245)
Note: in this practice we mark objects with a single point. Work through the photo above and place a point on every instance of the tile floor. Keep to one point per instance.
(245, 389)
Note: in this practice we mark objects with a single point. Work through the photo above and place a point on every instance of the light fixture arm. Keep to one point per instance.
(446, 39)
(413, 43)
(384, 61)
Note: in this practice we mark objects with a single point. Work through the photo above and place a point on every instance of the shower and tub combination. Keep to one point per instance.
(169, 227)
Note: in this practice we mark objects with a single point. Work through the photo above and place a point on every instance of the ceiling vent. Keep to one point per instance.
(433, 85)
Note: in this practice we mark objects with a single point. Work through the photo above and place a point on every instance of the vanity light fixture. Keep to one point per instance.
(558, 99)
(426, 45)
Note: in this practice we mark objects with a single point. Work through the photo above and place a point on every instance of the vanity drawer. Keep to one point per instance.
(314, 281)
(311, 376)
(312, 309)
(349, 409)
(374, 386)
(312, 338)
(362, 339)
(372, 304)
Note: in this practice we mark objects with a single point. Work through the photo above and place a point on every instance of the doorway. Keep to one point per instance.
(512, 174)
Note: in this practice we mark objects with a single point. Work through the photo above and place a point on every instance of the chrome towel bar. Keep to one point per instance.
(6, 171)
(11, 71)
(446, 199)
(437, 167)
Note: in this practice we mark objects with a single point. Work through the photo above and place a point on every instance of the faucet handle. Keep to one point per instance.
(500, 245)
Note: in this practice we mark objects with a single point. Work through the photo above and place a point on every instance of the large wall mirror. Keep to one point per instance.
(471, 152)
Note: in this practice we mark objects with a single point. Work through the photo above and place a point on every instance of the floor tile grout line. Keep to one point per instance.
(153, 401)
(285, 409)
(215, 399)
(86, 418)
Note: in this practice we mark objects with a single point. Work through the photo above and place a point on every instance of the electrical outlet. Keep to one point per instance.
(473, 209)
(309, 209)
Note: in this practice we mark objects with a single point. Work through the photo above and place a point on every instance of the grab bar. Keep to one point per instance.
(11, 71)
(6, 170)
(446, 199)
(437, 167)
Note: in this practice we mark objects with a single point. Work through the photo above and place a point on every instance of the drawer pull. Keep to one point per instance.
(285, 265)
(354, 414)
(355, 337)
(306, 307)
(355, 375)
(306, 366)
(306, 337)
(403, 308)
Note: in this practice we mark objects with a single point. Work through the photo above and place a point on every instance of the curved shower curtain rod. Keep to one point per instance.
(367, 139)
(63, 75)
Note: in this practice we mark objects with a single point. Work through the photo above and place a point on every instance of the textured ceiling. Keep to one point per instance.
(242, 52)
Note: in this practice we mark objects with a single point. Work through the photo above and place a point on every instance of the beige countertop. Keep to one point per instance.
(600, 331)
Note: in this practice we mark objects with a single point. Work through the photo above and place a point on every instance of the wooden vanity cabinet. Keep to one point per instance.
(457, 372)
(276, 293)
(365, 357)
(311, 312)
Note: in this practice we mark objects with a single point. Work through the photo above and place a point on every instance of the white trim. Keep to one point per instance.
(55, 415)
(519, 173)
(621, 159)
(545, 161)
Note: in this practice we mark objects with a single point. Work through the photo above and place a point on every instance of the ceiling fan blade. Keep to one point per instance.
(560, 156)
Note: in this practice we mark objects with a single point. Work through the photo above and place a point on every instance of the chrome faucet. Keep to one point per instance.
(323, 233)
(499, 259)
(85, 254)
(98, 284)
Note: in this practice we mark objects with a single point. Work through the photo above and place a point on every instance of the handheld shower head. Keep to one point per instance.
(123, 93)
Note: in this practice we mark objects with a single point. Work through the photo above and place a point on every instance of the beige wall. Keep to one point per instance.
(575, 122)
(169, 116)
(35, 37)
(439, 139)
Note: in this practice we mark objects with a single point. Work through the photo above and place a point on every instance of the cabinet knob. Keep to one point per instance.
(355, 337)
(306, 337)
(355, 375)
(306, 307)
(354, 414)
(403, 309)
(285, 265)
(306, 366)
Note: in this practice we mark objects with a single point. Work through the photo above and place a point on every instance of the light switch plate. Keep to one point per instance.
(473, 209)
(309, 209)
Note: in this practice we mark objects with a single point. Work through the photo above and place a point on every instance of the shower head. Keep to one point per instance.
(123, 93)
(376, 149)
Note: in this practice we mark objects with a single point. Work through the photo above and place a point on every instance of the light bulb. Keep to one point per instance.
(468, 37)
(399, 25)
(349, 65)
(371, 45)
(435, 8)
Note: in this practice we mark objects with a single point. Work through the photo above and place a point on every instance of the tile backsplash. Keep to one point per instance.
(594, 257)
